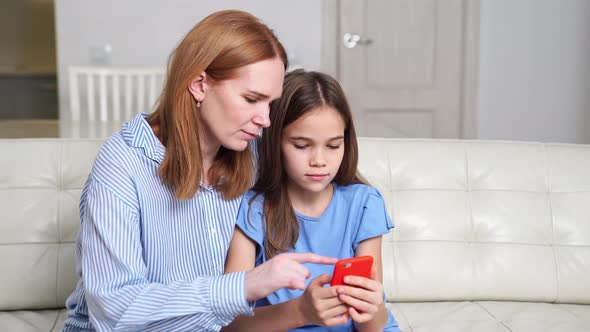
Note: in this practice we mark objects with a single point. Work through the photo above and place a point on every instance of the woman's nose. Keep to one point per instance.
(263, 119)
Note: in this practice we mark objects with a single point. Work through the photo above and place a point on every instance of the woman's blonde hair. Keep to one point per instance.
(218, 45)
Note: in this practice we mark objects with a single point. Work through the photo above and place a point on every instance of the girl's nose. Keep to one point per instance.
(317, 159)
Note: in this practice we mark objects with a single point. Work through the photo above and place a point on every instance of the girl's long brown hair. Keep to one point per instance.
(218, 45)
(302, 92)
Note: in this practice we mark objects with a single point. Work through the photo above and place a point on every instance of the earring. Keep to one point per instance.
(198, 103)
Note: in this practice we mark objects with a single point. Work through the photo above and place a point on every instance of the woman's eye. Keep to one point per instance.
(300, 147)
(250, 100)
(333, 147)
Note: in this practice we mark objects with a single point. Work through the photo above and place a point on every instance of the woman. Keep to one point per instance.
(158, 210)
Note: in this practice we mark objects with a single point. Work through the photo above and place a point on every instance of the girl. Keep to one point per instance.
(309, 197)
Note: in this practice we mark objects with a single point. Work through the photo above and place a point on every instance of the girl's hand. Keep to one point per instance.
(320, 305)
(281, 271)
(364, 296)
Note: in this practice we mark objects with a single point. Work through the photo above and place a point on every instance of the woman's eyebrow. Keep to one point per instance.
(258, 94)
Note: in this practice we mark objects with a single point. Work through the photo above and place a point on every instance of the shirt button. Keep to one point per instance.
(213, 230)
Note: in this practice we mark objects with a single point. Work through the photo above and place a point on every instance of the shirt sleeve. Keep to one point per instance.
(117, 290)
(250, 221)
(374, 219)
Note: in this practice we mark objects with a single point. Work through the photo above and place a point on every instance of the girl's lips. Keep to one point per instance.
(316, 177)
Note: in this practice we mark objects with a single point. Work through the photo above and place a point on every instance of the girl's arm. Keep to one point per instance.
(365, 299)
(287, 315)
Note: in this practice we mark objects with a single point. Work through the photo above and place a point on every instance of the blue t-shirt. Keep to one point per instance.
(355, 213)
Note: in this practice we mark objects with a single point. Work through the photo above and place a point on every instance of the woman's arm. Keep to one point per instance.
(117, 288)
(286, 315)
(366, 299)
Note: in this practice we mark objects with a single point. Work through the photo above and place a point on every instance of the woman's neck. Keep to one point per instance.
(209, 149)
(309, 203)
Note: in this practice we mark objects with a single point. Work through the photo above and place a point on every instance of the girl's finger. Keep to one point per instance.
(331, 303)
(360, 294)
(337, 310)
(358, 304)
(365, 283)
(358, 317)
(338, 320)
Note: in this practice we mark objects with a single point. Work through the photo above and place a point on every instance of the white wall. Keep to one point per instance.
(535, 70)
(144, 32)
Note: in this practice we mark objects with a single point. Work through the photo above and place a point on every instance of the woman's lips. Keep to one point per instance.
(249, 135)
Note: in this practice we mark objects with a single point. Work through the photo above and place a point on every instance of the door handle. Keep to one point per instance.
(351, 40)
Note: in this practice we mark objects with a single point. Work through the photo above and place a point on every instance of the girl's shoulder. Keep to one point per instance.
(254, 200)
(256, 196)
(358, 190)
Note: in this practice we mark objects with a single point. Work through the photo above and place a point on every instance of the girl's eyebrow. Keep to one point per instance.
(302, 138)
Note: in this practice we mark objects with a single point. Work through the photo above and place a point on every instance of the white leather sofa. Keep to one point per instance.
(490, 236)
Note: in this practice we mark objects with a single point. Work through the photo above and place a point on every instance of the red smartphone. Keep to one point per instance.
(356, 266)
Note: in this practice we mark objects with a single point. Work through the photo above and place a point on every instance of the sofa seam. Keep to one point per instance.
(405, 317)
(466, 150)
(548, 186)
(484, 309)
(580, 319)
(59, 237)
(506, 326)
(395, 267)
(496, 318)
(500, 242)
(34, 243)
(55, 321)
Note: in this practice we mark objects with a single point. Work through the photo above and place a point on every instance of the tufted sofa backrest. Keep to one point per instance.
(482, 220)
(40, 185)
(474, 220)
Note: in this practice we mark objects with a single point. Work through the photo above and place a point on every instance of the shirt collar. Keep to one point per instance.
(138, 133)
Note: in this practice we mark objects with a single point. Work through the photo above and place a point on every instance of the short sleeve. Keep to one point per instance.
(375, 220)
(249, 221)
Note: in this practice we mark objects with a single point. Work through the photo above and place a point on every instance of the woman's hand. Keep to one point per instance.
(281, 271)
(320, 305)
(364, 297)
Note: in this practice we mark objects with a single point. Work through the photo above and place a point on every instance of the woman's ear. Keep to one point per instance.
(198, 86)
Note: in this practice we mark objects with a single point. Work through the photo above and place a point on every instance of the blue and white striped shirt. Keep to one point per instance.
(146, 260)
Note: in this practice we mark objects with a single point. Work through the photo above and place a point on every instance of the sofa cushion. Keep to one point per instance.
(33, 321)
(40, 184)
(483, 220)
(490, 316)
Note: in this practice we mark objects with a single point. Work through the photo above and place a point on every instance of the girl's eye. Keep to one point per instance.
(300, 147)
(250, 100)
(333, 147)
